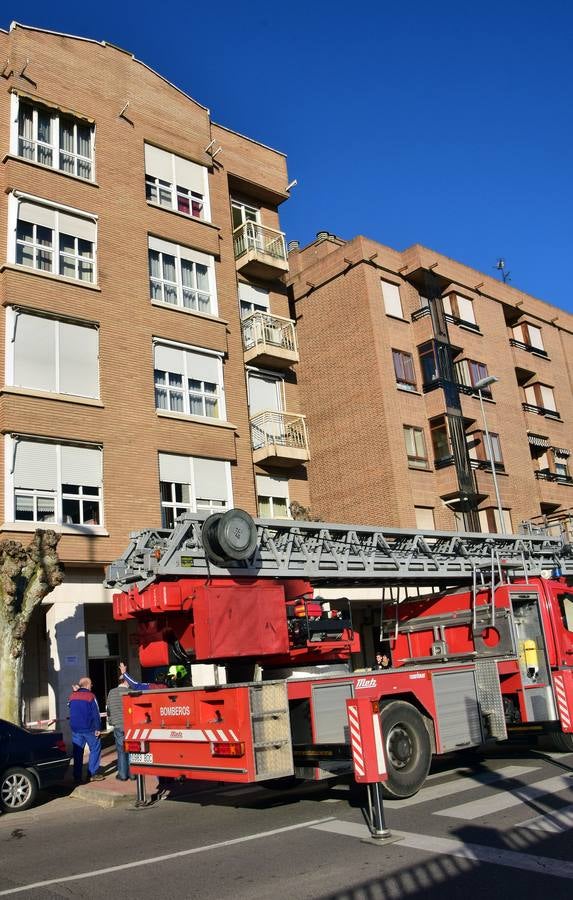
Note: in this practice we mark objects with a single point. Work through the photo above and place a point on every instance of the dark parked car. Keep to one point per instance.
(29, 761)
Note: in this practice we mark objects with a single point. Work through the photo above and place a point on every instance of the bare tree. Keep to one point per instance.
(27, 574)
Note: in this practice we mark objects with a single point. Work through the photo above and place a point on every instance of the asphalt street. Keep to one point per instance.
(499, 826)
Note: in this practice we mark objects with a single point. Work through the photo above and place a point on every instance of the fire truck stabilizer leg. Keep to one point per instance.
(141, 792)
(379, 833)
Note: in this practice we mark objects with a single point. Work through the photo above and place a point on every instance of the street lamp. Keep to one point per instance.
(480, 385)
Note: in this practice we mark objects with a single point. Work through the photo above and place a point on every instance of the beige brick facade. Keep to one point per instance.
(356, 410)
(128, 105)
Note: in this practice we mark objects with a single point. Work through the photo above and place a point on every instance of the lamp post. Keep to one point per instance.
(480, 385)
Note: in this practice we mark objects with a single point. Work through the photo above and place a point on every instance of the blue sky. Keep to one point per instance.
(442, 123)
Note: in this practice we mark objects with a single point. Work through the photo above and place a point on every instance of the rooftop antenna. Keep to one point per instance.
(500, 266)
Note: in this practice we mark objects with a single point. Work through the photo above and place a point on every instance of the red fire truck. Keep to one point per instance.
(480, 629)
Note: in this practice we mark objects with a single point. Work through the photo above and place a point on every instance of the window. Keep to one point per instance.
(47, 136)
(46, 354)
(252, 299)
(191, 484)
(54, 239)
(182, 277)
(529, 335)
(404, 369)
(416, 447)
(243, 212)
(188, 381)
(176, 183)
(542, 398)
(460, 307)
(59, 483)
(469, 372)
(566, 609)
(428, 362)
(391, 297)
(441, 442)
(553, 464)
(490, 521)
(478, 448)
(272, 497)
(424, 518)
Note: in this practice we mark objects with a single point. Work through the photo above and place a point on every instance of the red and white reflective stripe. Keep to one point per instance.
(180, 734)
(561, 696)
(356, 741)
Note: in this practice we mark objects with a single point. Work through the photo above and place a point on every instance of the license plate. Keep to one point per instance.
(139, 758)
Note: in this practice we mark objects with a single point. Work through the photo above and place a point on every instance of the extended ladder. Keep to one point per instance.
(345, 554)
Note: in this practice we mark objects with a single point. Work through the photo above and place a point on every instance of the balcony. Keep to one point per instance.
(450, 319)
(546, 475)
(485, 465)
(260, 252)
(529, 348)
(279, 438)
(269, 341)
(541, 411)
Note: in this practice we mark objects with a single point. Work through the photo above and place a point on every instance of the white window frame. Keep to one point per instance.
(58, 153)
(195, 504)
(249, 306)
(265, 491)
(178, 285)
(392, 299)
(173, 191)
(14, 200)
(243, 206)
(58, 495)
(184, 389)
(12, 315)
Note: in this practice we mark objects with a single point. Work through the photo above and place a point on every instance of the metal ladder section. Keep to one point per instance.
(345, 554)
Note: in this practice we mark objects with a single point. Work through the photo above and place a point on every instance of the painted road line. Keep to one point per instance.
(551, 823)
(462, 783)
(477, 808)
(477, 853)
(154, 860)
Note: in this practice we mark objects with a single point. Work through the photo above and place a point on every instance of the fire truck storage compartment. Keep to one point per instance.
(272, 746)
(329, 712)
(457, 709)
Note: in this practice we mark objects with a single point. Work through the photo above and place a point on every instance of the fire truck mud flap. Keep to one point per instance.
(407, 747)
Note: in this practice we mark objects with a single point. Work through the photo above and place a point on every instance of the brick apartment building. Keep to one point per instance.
(148, 351)
(394, 439)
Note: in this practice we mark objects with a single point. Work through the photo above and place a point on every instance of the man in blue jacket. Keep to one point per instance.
(85, 723)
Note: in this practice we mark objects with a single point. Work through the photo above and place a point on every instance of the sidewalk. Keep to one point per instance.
(110, 792)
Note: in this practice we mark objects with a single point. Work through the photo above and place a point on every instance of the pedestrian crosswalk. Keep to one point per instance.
(514, 796)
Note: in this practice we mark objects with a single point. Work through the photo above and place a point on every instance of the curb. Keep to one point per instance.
(103, 798)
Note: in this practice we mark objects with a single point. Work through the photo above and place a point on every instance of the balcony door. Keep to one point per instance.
(266, 406)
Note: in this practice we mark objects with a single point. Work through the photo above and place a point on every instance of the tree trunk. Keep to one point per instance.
(11, 672)
(26, 576)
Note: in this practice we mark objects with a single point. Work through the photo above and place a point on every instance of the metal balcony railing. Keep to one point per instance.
(450, 319)
(529, 348)
(485, 464)
(263, 330)
(260, 238)
(282, 429)
(541, 411)
(546, 475)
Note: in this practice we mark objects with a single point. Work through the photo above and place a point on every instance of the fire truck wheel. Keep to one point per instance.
(408, 750)
(563, 743)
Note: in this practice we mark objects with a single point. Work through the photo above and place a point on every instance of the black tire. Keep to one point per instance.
(18, 789)
(407, 747)
(563, 743)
